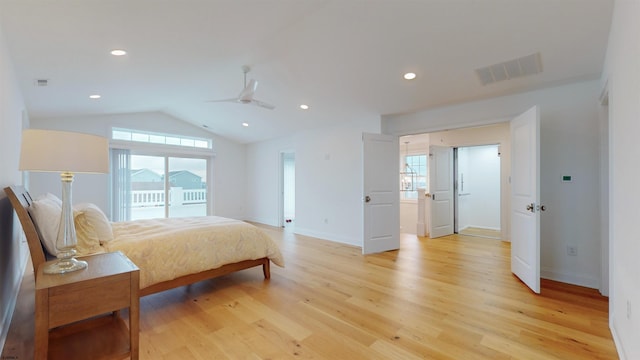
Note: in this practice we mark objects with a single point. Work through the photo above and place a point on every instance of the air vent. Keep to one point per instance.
(524, 66)
(41, 82)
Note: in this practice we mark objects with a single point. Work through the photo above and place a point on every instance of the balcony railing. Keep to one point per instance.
(177, 196)
(149, 204)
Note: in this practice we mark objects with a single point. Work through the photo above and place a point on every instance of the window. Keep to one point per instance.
(159, 138)
(414, 176)
(157, 175)
(152, 186)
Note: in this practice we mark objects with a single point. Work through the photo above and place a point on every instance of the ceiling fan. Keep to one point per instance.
(246, 95)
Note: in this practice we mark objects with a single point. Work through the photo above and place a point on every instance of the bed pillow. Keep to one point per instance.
(45, 212)
(92, 224)
(88, 240)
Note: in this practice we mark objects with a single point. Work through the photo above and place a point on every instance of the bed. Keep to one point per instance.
(169, 252)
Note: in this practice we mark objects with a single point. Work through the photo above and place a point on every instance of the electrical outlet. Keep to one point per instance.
(572, 250)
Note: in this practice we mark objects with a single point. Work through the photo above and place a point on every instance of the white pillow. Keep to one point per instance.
(92, 223)
(88, 240)
(45, 212)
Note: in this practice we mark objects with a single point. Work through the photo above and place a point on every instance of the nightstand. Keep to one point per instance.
(78, 313)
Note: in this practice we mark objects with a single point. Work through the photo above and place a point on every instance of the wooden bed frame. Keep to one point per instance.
(21, 200)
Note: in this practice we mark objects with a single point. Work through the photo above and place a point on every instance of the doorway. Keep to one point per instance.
(288, 189)
(477, 191)
(493, 139)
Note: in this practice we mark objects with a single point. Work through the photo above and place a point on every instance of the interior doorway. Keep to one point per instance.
(288, 189)
(493, 139)
(477, 191)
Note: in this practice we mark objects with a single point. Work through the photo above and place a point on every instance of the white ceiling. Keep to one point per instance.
(345, 58)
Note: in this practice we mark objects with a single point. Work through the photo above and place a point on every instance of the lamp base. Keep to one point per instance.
(63, 266)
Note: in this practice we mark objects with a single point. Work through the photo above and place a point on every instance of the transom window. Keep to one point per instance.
(159, 138)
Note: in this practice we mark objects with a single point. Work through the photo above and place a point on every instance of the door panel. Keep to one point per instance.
(441, 188)
(525, 198)
(381, 198)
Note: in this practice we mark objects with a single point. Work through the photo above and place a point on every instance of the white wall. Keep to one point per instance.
(409, 217)
(622, 72)
(13, 249)
(569, 145)
(229, 170)
(328, 179)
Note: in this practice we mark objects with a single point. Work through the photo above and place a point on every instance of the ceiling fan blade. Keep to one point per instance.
(247, 93)
(223, 100)
(263, 104)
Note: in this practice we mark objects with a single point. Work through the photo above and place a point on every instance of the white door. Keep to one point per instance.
(525, 198)
(381, 198)
(441, 189)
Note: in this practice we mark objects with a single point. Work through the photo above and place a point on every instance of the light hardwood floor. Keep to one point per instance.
(447, 298)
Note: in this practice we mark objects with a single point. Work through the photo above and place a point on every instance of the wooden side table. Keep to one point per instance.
(78, 314)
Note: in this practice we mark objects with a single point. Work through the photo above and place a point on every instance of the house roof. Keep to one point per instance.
(179, 172)
(344, 58)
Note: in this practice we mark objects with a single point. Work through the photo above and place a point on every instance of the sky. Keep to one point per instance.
(156, 164)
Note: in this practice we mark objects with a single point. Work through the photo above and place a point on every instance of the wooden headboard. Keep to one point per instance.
(21, 200)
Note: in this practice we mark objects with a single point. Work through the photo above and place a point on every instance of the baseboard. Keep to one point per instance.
(328, 236)
(586, 281)
(616, 338)
(262, 221)
(481, 227)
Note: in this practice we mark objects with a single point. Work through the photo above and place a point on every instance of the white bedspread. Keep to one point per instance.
(165, 249)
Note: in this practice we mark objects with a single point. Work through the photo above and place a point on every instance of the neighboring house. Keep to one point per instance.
(145, 179)
(185, 179)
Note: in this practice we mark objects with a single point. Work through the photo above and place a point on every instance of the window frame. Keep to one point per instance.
(168, 151)
(403, 162)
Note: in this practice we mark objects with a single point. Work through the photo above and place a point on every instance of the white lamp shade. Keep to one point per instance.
(62, 151)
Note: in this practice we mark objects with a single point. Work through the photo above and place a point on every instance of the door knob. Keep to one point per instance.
(367, 198)
(531, 207)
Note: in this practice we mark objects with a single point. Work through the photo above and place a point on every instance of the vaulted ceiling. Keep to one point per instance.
(344, 58)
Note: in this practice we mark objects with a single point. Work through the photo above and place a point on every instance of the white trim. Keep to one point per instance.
(156, 149)
(133, 132)
(616, 338)
(329, 236)
(575, 279)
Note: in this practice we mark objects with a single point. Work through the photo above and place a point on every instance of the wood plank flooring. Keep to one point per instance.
(446, 298)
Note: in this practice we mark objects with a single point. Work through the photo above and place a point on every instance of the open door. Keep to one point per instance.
(381, 197)
(525, 198)
(441, 189)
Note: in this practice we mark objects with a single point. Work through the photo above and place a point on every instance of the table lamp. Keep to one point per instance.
(67, 153)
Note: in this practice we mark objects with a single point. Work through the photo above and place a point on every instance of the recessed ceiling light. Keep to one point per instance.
(118, 52)
(410, 76)
(95, 96)
(245, 124)
(304, 107)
